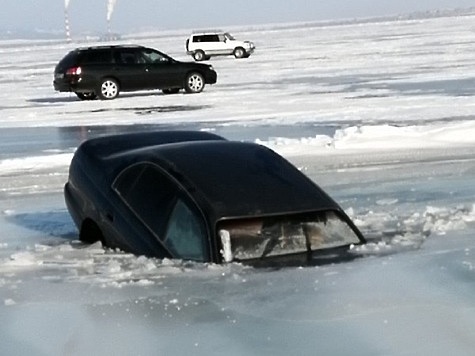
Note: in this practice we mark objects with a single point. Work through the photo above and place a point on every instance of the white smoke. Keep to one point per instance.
(110, 8)
(66, 20)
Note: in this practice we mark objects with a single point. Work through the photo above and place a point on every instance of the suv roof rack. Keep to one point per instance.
(207, 31)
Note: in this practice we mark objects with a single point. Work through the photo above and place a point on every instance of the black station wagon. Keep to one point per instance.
(196, 196)
(104, 71)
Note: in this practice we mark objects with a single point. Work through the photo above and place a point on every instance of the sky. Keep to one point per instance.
(129, 16)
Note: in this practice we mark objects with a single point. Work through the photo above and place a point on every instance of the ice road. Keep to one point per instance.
(380, 114)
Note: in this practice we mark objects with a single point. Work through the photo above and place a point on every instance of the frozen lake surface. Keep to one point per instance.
(379, 114)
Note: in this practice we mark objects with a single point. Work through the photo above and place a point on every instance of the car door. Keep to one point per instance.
(163, 72)
(213, 44)
(224, 45)
(131, 69)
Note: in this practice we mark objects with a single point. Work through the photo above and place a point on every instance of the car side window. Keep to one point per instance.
(153, 57)
(127, 57)
(97, 56)
(158, 202)
(148, 194)
(229, 36)
(206, 38)
(186, 235)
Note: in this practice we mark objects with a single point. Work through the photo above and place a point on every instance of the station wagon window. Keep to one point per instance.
(70, 60)
(153, 56)
(97, 56)
(126, 56)
(157, 200)
(273, 236)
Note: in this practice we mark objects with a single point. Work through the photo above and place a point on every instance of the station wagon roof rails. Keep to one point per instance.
(109, 46)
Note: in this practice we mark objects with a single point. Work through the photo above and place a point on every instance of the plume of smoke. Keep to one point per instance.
(66, 20)
(110, 8)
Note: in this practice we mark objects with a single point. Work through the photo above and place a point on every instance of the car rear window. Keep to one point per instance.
(280, 235)
(70, 60)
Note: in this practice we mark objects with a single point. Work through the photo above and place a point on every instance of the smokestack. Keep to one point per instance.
(66, 20)
(110, 10)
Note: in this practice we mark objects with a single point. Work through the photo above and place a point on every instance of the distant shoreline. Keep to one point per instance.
(42, 34)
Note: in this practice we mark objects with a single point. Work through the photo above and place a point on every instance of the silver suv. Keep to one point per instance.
(202, 46)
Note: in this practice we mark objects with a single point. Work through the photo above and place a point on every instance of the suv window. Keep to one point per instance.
(158, 202)
(206, 38)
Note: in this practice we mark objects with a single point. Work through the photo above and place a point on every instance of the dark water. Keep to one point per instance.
(24, 142)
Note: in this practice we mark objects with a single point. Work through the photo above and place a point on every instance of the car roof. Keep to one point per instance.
(107, 146)
(241, 179)
(107, 47)
(228, 179)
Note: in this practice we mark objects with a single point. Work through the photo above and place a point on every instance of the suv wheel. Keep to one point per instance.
(199, 56)
(87, 96)
(239, 52)
(194, 83)
(108, 89)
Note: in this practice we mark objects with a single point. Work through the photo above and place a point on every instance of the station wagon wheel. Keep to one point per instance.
(199, 55)
(194, 83)
(108, 89)
(239, 52)
(87, 96)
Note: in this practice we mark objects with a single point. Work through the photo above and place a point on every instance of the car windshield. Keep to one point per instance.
(246, 239)
(229, 36)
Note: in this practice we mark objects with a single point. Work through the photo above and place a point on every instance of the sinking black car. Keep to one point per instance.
(197, 196)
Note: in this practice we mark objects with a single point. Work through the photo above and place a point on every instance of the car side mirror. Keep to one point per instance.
(226, 244)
